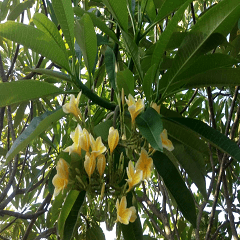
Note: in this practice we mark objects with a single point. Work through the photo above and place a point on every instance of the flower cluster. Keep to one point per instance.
(94, 153)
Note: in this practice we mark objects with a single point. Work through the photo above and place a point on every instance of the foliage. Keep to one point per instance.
(122, 112)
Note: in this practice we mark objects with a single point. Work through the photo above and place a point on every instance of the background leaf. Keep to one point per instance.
(110, 62)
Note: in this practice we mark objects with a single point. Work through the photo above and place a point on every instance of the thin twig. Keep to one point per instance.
(191, 99)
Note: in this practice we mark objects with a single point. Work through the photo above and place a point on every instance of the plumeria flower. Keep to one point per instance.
(89, 164)
(113, 138)
(156, 107)
(101, 164)
(72, 106)
(144, 164)
(134, 177)
(124, 214)
(84, 140)
(97, 146)
(134, 107)
(60, 180)
(75, 147)
(166, 143)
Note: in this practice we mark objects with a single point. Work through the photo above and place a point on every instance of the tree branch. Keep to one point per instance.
(21, 215)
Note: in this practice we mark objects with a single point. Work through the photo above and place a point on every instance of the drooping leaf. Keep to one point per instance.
(19, 8)
(125, 80)
(73, 216)
(36, 127)
(64, 12)
(36, 40)
(110, 62)
(97, 22)
(190, 164)
(66, 209)
(211, 135)
(119, 11)
(21, 91)
(176, 186)
(47, 26)
(87, 40)
(150, 126)
(95, 233)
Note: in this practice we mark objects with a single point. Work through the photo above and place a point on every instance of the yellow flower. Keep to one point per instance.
(166, 143)
(124, 214)
(145, 164)
(134, 177)
(84, 140)
(113, 138)
(89, 164)
(75, 136)
(60, 180)
(134, 107)
(101, 164)
(156, 107)
(97, 146)
(72, 106)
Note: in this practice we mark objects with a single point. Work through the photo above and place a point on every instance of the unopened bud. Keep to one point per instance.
(102, 191)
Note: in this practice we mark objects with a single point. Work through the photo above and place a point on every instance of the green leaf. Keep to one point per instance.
(34, 129)
(190, 163)
(73, 216)
(166, 35)
(126, 81)
(47, 26)
(66, 209)
(132, 49)
(50, 184)
(176, 186)
(52, 73)
(132, 231)
(22, 90)
(3, 152)
(4, 9)
(87, 40)
(150, 126)
(65, 16)
(95, 233)
(185, 136)
(19, 114)
(19, 8)
(97, 22)
(148, 80)
(119, 11)
(110, 62)
(36, 40)
(219, 19)
(209, 134)
(102, 129)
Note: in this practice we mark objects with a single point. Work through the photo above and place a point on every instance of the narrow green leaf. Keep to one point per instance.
(110, 62)
(150, 126)
(19, 114)
(182, 154)
(126, 81)
(87, 40)
(52, 73)
(166, 35)
(64, 12)
(22, 90)
(176, 186)
(36, 40)
(211, 135)
(132, 49)
(148, 80)
(119, 11)
(47, 26)
(219, 18)
(36, 127)
(97, 22)
(66, 209)
(19, 8)
(73, 216)
(4, 9)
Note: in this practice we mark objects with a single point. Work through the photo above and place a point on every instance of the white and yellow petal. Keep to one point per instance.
(166, 143)
(113, 138)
